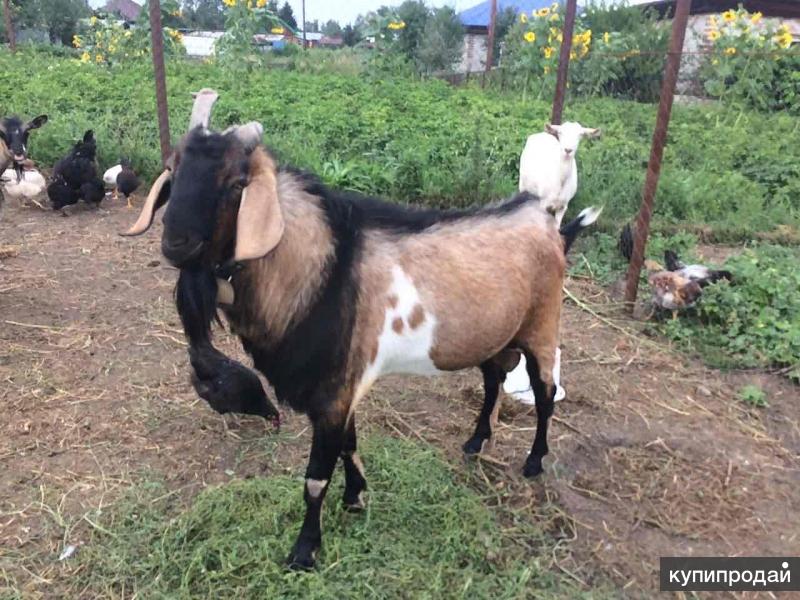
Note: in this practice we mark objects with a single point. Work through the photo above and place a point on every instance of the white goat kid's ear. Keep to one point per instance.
(552, 129)
(590, 133)
(201, 109)
(158, 196)
(259, 224)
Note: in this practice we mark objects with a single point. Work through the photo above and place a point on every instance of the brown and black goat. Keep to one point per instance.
(329, 290)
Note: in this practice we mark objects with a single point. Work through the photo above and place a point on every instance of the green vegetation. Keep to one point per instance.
(424, 535)
(754, 396)
(425, 141)
(753, 321)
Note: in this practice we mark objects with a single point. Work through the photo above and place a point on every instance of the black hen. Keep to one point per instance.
(127, 181)
(75, 175)
(699, 273)
(625, 243)
(61, 194)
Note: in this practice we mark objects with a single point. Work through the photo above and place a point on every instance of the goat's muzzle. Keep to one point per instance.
(182, 250)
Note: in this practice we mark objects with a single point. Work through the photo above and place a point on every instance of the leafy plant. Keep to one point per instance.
(751, 63)
(754, 396)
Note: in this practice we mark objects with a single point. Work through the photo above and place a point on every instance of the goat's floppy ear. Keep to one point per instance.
(591, 133)
(36, 122)
(259, 225)
(552, 129)
(158, 196)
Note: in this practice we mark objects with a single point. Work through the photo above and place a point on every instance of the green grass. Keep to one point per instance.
(425, 535)
(424, 141)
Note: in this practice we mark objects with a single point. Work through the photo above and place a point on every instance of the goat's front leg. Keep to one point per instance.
(325, 450)
(354, 480)
(493, 376)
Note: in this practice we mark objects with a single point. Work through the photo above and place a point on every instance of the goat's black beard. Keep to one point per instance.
(227, 385)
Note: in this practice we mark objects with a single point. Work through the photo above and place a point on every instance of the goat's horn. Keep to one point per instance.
(201, 111)
(249, 134)
(151, 205)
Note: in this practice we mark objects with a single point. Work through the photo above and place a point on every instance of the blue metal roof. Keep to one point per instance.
(478, 15)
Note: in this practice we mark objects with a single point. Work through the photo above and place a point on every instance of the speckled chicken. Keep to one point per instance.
(671, 291)
(700, 273)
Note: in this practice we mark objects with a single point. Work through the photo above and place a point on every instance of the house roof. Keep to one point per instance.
(478, 15)
(127, 9)
(770, 8)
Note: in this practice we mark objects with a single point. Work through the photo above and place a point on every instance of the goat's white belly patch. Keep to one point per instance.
(406, 340)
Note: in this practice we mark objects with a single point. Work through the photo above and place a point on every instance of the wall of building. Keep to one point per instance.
(473, 53)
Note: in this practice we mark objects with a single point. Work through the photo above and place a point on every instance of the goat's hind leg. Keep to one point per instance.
(540, 373)
(354, 480)
(493, 376)
(326, 446)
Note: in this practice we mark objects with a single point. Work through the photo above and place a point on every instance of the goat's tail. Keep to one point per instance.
(570, 231)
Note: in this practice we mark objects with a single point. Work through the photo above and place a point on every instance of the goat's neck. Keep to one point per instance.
(278, 290)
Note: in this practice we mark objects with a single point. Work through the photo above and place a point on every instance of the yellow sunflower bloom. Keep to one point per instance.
(523, 18)
(554, 17)
(573, 55)
(784, 40)
(229, 3)
(77, 41)
(86, 57)
(261, 3)
(606, 37)
(546, 70)
(756, 17)
(93, 21)
(98, 58)
(730, 51)
(543, 12)
(729, 16)
(714, 35)
(584, 51)
(548, 51)
(554, 7)
(530, 37)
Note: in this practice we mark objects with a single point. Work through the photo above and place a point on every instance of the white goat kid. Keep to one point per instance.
(547, 169)
(547, 166)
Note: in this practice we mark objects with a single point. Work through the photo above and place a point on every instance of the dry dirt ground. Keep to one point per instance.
(651, 453)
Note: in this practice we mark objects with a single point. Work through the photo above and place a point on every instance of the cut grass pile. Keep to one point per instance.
(424, 535)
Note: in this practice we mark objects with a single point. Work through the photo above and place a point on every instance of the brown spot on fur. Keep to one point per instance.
(397, 325)
(373, 353)
(417, 317)
(393, 301)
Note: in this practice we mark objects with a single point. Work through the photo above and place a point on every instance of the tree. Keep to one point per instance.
(414, 14)
(505, 19)
(204, 14)
(441, 42)
(350, 35)
(332, 29)
(312, 26)
(287, 15)
(58, 17)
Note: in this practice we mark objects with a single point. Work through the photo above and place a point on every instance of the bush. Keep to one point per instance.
(617, 51)
(751, 64)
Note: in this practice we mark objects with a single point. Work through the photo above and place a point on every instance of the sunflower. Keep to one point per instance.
(714, 35)
(606, 37)
(523, 18)
(729, 16)
(77, 41)
(730, 51)
(548, 51)
(784, 40)
(756, 17)
(530, 37)
(86, 57)
(543, 12)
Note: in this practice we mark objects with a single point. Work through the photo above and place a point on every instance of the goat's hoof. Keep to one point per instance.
(302, 557)
(354, 503)
(533, 467)
(473, 445)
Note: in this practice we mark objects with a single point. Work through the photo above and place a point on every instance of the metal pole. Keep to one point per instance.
(304, 24)
(490, 41)
(157, 39)
(563, 62)
(671, 69)
(12, 37)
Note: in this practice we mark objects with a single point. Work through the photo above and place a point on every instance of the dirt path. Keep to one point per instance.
(651, 455)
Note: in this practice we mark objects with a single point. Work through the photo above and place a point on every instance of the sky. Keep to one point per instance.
(345, 11)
